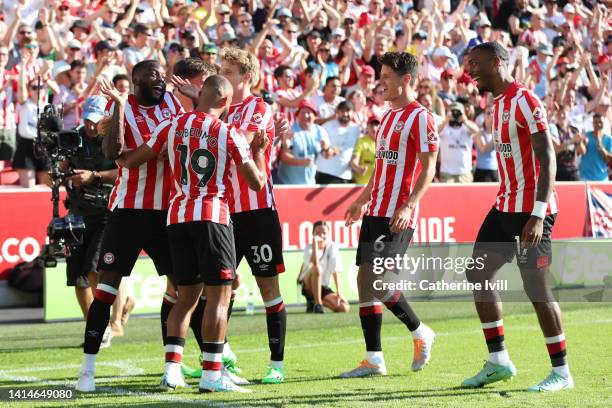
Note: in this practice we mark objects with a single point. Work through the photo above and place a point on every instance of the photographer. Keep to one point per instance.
(456, 146)
(88, 191)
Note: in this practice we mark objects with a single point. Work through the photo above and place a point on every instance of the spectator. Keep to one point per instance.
(378, 105)
(300, 150)
(594, 163)
(361, 110)
(289, 97)
(322, 261)
(365, 83)
(146, 46)
(456, 146)
(209, 53)
(364, 154)
(8, 96)
(343, 134)
(486, 160)
(327, 102)
(569, 145)
(72, 96)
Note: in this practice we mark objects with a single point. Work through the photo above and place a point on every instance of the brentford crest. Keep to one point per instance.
(506, 116)
(399, 126)
(538, 115)
(166, 113)
(258, 117)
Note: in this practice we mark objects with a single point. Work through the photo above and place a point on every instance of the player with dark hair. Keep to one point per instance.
(407, 135)
(192, 71)
(257, 229)
(139, 203)
(200, 148)
(521, 220)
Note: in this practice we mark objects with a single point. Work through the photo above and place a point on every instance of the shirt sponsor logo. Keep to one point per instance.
(432, 138)
(390, 156)
(504, 149)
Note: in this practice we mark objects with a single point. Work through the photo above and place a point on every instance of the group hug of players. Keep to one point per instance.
(194, 191)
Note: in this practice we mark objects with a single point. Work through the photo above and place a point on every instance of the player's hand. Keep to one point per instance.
(281, 126)
(103, 125)
(81, 177)
(532, 232)
(185, 87)
(354, 213)
(260, 142)
(109, 90)
(401, 219)
(163, 153)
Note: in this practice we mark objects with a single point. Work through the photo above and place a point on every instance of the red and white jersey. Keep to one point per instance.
(251, 115)
(532, 38)
(200, 150)
(291, 94)
(402, 135)
(32, 71)
(148, 186)
(517, 115)
(8, 92)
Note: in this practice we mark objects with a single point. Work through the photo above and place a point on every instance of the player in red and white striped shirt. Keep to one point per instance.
(139, 202)
(521, 220)
(257, 229)
(200, 149)
(406, 136)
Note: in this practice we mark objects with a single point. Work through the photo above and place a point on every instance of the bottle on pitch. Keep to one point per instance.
(250, 307)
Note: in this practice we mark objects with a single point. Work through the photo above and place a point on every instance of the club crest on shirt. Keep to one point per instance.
(212, 142)
(506, 116)
(538, 114)
(166, 113)
(399, 126)
(257, 117)
(237, 118)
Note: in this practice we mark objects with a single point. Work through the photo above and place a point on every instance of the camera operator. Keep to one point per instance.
(456, 141)
(88, 192)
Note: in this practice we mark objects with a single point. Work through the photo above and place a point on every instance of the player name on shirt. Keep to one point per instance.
(148, 186)
(403, 134)
(517, 115)
(251, 115)
(200, 149)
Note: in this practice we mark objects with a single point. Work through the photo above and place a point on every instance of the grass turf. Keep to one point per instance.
(318, 348)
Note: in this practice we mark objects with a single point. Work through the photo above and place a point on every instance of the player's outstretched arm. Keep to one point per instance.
(113, 141)
(131, 159)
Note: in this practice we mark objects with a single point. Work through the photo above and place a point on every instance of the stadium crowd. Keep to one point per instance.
(319, 68)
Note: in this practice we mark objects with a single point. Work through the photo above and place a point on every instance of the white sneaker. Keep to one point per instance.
(223, 384)
(233, 377)
(365, 369)
(106, 338)
(422, 350)
(172, 378)
(86, 382)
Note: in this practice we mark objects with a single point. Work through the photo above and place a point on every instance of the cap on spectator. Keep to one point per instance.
(228, 37)
(169, 23)
(569, 8)
(65, 4)
(442, 52)
(575, 122)
(93, 108)
(419, 35)
(314, 34)
(563, 60)
(545, 49)
(446, 74)
(367, 70)
(82, 24)
(374, 118)
(603, 59)
(210, 48)
(483, 22)
(223, 9)
(75, 44)
(457, 106)
(559, 41)
(306, 104)
(283, 12)
(338, 32)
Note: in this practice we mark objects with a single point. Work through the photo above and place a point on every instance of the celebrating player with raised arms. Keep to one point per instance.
(139, 202)
(200, 149)
(406, 136)
(521, 220)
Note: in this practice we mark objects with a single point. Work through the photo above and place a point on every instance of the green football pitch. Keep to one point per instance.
(318, 348)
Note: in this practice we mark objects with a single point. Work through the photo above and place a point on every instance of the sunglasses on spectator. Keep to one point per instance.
(291, 31)
(25, 32)
(323, 49)
(63, 8)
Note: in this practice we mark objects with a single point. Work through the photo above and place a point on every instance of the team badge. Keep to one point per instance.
(258, 117)
(237, 117)
(506, 116)
(538, 115)
(166, 113)
(399, 126)
(432, 137)
(212, 142)
(109, 258)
